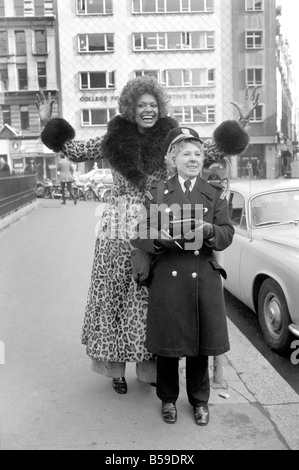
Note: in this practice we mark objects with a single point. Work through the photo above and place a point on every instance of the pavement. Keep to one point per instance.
(51, 400)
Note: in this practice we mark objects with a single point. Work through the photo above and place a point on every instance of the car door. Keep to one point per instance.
(232, 255)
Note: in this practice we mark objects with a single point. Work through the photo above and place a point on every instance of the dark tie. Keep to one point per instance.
(187, 185)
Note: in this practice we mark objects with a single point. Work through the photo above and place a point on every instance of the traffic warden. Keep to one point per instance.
(186, 310)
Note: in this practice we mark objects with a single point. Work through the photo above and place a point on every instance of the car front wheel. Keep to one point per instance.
(274, 317)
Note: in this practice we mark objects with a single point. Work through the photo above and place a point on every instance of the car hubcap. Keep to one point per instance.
(273, 315)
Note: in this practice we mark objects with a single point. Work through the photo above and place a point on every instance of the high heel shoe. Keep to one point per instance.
(120, 385)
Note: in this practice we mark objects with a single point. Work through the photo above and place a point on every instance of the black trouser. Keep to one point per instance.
(69, 186)
(197, 379)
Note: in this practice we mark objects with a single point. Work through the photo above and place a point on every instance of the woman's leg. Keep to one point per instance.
(114, 370)
(147, 371)
(111, 370)
(168, 379)
(197, 380)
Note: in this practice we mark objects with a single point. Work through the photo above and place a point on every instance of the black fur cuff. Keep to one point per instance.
(56, 132)
(230, 138)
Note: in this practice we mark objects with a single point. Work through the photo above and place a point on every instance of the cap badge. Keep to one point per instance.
(186, 131)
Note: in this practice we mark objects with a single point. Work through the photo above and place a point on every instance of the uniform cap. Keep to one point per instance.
(177, 134)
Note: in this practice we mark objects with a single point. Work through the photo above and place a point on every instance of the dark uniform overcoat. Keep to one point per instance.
(186, 311)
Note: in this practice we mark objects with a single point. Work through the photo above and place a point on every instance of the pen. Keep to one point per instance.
(170, 237)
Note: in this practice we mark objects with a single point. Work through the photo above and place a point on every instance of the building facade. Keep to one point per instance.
(205, 53)
(261, 58)
(28, 63)
(105, 43)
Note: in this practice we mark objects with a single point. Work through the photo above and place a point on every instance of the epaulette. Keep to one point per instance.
(149, 195)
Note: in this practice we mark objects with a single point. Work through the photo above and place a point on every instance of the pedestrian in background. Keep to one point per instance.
(31, 168)
(4, 168)
(66, 177)
(186, 310)
(114, 326)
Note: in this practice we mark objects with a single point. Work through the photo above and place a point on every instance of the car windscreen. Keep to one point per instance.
(275, 208)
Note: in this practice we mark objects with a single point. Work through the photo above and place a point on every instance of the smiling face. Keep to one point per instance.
(146, 113)
(189, 160)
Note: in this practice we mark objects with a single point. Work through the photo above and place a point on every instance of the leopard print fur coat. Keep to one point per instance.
(114, 326)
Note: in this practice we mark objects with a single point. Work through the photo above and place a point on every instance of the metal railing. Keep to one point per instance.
(15, 192)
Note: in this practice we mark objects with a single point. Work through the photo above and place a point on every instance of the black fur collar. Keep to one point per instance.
(135, 155)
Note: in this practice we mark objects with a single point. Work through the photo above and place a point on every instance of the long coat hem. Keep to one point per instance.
(180, 353)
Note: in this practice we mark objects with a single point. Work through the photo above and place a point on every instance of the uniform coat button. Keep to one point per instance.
(194, 275)
(174, 273)
(196, 253)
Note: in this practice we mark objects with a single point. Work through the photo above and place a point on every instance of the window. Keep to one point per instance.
(19, 7)
(258, 114)
(96, 43)
(22, 77)
(20, 40)
(42, 75)
(254, 39)
(40, 42)
(3, 43)
(152, 73)
(3, 77)
(172, 6)
(6, 114)
(94, 80)
(39, 7)
(97, 117)
(254, 77)
(197, 40)
(194, 114)
(24, 117)
(189, 78)
(254, 5)
(237, 205)
(182, 77)
(94, 7)
(2, 8)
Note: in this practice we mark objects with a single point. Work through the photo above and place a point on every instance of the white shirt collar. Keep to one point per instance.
(182, 181)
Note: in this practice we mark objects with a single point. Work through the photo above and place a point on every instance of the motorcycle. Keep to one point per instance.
(105, 192)
(45, 189)
(57, 192)
(92, 192)
(79, 189)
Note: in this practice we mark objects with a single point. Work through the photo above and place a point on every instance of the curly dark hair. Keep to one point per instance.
(137, 87)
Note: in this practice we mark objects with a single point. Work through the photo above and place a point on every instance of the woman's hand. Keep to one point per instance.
(44, 106)
(249, 105)
(203, 231)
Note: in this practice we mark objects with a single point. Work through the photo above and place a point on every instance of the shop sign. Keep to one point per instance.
(174, 97)
(99, 98)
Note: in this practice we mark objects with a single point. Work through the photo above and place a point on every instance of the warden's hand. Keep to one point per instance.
(165, 241)
(204, 231)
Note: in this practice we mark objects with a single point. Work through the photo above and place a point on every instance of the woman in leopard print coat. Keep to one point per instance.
(115, 317)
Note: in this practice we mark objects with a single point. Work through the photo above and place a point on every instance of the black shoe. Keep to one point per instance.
(169, 412)
(63, 202)
(75, 201)
(120, 385)
(201, 415)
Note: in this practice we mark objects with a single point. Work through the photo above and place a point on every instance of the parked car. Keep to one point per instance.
(44, 188)
(262, 263)
(96, 175)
